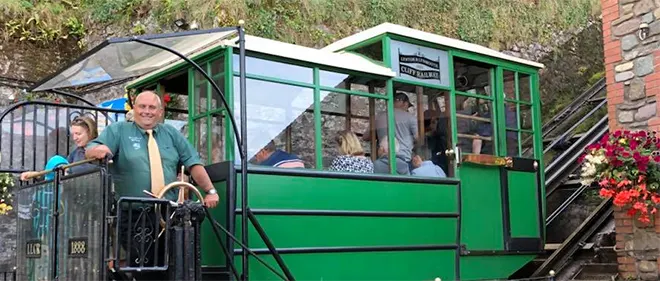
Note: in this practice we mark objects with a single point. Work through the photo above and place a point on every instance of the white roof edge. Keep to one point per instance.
(423, 36)
(345, 61)
(176, 61)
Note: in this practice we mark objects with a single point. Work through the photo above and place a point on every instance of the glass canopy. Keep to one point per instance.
(121, 58)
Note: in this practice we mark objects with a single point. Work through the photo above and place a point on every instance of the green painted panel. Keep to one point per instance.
(329, 231)
(211, 255)
(412, 265)
(491, 267)
(298, 192)
(481, 224)
(523, 204)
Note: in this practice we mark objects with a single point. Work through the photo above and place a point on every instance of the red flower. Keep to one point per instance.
(655, 199)
(622, 199)
(167, 98)
(633, 144)
(607, 193)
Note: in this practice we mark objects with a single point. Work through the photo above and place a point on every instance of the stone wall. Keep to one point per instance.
(631, 62)
(637, 246)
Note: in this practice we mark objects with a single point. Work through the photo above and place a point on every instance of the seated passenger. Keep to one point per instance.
(352, 158)
(426, 168)
(271, 156)
(382, 164)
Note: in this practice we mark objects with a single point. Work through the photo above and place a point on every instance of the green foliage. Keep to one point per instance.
(41, 22)
(495, 23)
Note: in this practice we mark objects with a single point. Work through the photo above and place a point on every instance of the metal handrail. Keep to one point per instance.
(558, 168)
(577, 103)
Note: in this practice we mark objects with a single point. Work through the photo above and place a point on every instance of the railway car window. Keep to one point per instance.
(208, 112)
(428, 108)
(474, 123)
(474, 107)
(471, 77)
(518, 114)
(350, 133)
(350, 105)
(280, 123)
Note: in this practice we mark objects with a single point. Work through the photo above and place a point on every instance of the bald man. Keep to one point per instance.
(127, 144)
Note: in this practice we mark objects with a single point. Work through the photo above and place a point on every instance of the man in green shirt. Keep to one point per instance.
(128, 144)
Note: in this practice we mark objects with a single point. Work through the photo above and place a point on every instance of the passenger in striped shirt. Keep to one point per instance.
(271, 156)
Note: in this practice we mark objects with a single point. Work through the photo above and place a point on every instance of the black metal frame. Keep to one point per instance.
(70, 109)
(117, 245)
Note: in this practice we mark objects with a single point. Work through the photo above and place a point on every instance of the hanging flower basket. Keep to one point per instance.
(625, 164)
(6, 186)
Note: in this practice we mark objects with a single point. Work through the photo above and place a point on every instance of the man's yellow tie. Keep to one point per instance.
(157, 177)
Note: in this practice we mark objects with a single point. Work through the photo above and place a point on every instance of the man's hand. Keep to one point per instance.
(211, 200)
(98, 152)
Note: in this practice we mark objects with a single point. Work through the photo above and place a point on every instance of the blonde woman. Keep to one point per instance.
(83, 130)
(352, 158)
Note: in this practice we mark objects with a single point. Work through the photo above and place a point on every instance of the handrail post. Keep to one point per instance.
(269, 244)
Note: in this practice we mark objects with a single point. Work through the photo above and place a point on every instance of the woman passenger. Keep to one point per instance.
(83, 130)
(352, 158)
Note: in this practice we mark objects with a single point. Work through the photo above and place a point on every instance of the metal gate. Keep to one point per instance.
(61, 227)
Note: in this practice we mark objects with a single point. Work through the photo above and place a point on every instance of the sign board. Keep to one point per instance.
(33, 249)
(78, 247)
(420, 64)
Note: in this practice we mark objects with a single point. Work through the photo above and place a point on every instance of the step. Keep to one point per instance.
(596, 271)
(555, 246)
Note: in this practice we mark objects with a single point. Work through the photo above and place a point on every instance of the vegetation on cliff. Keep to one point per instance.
(494, 23)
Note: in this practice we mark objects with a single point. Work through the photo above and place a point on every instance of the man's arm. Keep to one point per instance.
(105, 144)
(200, 176)
(189, 157)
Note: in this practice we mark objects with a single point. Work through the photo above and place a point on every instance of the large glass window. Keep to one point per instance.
(280, 123)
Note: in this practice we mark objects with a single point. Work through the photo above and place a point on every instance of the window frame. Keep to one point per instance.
(193, 115)
(533, 107)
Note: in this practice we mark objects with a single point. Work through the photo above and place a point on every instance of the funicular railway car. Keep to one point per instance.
(393, 154)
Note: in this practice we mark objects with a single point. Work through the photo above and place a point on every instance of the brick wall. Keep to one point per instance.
(632, 66)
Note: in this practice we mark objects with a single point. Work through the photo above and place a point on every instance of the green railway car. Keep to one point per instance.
(474, 208)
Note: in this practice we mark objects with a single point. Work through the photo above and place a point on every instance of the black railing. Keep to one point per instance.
(8, 275)
(143, 225)
(34, 131)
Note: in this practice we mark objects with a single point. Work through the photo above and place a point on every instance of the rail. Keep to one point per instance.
(579, 101)
(567, 162)
(558, 259)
